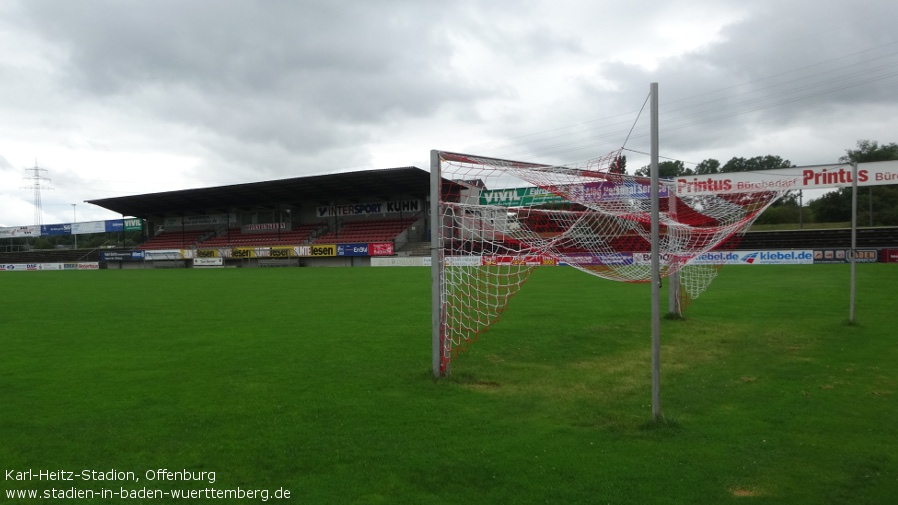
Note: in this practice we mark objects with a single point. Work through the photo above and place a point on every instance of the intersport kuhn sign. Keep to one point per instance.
(877, 173)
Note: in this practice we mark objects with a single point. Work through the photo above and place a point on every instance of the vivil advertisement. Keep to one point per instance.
(117, 225)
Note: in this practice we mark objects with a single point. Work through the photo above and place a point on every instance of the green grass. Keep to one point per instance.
(318, 381)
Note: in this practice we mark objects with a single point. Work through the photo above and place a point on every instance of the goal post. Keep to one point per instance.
(436, 258)
(442, 192)
(493, 221)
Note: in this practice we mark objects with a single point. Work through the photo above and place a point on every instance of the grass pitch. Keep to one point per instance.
(318, 382)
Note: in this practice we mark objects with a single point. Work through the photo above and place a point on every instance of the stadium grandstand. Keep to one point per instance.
(342, 219)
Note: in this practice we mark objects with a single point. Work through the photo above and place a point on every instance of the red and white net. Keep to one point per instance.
(501, 219)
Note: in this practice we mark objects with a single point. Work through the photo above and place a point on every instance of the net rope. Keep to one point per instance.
(500, 219)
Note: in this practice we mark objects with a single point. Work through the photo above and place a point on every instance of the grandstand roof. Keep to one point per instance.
(320, 189)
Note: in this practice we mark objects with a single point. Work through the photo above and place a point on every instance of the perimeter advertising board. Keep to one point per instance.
(20, 231)
(890, 255)
(261, 252)
(404, 261)
(122, 256)
(425, 261)
(334, 250)
(611, 190)
(844, 256)
(877, 173)
(56, 229)
(208, 262)
(109, 226)
(88, 227)
(596, 259)
(352, 249)
(588, 192)
(19, 267)
(314, 250)
(33, 267)
(784, 257)
(168, 254)
(118, 225)
(518, 197)
(530, 260)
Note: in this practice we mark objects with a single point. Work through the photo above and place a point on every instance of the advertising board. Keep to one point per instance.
(33, 267)
(387, 207)
(208, 262)
(352, 249)
(877, 173)
(824, 256)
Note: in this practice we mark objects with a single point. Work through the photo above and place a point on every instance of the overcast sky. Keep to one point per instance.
(116, 97)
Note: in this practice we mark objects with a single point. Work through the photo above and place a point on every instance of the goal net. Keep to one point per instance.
(496, 220)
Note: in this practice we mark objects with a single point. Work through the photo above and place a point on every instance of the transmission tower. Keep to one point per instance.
(37, 181)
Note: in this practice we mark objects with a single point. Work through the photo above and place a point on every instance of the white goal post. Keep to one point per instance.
(493, 221)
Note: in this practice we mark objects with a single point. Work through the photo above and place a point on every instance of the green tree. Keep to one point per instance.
(709, 166)
(880, 205)
(832, 207)
(755, 164)
(870, 150)
(666, 170)
(785, 210)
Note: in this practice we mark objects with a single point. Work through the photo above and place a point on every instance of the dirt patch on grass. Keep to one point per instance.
(741, 492)
(483, 385)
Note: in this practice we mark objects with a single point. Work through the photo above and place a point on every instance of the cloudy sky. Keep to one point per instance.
(116, 97)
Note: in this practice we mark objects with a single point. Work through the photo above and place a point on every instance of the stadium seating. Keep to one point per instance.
(369, 230)
(174, 240)
(630, 243)
(301, 234)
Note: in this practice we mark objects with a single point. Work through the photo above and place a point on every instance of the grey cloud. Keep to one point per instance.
(318, 53)
(305, 75)
(774, 69)
(272, 88)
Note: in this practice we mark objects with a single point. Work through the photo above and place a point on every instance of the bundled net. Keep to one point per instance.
(500, 219)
